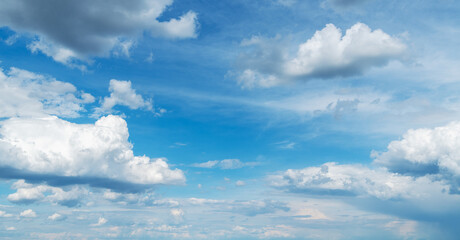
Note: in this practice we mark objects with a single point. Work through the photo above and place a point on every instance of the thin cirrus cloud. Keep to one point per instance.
(328, 54)
(225, 164)
(78, 30)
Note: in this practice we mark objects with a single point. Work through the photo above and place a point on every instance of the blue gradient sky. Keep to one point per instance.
(266, 119)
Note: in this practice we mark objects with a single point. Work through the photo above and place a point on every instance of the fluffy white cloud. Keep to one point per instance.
(225, 164)
(426, 151)
(54, 147)
(73, 30)
(29, 213)
(334, 179)
(24, 93)
(28, 193)
(327, 54)
(122, 93)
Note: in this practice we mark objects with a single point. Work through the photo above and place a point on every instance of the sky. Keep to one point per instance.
(264, 119)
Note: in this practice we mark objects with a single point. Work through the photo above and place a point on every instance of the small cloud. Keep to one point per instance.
(4, 214)
(56, 217)
(177, 212)
(240, 183)
(101, 221)
(10, 228)
(150, 58)
(225, 164)
(29, 213)
(286, 144)
(178, 145)
(122, 94)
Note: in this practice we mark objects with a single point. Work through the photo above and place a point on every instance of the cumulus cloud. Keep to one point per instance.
(328, 54)
(26, 94)
(78, 30)
(122, 93)
(426, 152)
(100, 152)
(28, 193)
(355, 180)
(29, 213)
(415, 178)
(225, 164)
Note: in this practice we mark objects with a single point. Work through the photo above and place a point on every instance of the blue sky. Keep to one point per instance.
(266, 119)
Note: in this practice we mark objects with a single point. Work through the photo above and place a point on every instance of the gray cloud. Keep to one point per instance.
(69, 30)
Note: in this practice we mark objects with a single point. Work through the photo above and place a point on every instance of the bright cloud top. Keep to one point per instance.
(327, 54)
(54, 146)
(81, 29)
(426, 151)
(121, 93)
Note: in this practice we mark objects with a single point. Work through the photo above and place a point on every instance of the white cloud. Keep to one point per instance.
(225, 164)
(327, 54)
(334, 179)
(10, 228)
(56, 147)
(4, 214)
(29, 213)
(122, 93)
(177, 212)
(101, 221)
(28, 193)
(426, 151)
(24, 93)
(75, 31)
(240, 183)
(56, 217)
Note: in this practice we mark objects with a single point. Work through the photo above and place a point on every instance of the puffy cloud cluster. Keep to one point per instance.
(28, 193)
(426, 152)
(70, 30)
(355, 180)
(416, 178)
(55, 147)
(327, 54)
(26, 94)
(37, 145)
